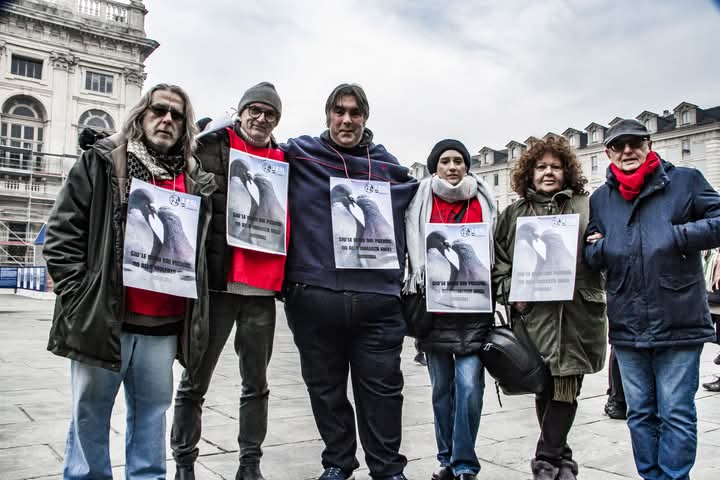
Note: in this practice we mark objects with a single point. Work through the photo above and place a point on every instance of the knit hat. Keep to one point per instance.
(442, 146)
(263, 92)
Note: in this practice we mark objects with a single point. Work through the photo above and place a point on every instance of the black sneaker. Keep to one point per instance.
(335, 473)
(717, 359)
(712, 386)
(420, 359)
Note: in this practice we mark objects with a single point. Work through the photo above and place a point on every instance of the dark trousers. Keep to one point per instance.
(361, 334)
(616, 393)
(556, 419)
(254, 318)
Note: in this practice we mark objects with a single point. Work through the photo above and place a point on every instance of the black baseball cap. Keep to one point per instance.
(626, 127)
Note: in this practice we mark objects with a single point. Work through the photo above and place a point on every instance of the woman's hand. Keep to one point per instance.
(520, 306)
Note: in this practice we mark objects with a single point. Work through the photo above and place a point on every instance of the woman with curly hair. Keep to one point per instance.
(571, 335)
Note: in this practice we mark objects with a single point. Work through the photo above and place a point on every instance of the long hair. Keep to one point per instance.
(522, 173)
(133, 128)
(345, 89)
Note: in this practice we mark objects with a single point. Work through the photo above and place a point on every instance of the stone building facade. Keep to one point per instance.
(687, 136)
(64, 65)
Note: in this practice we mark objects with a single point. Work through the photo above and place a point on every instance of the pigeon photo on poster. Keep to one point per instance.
(457, 263)
(256, 202)
(160, 240)
(545, 258)
(362, 224)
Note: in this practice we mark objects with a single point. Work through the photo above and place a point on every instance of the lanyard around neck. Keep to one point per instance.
(347, 174)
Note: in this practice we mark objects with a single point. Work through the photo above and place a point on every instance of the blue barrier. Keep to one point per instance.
(32, 278)
(25, 278)
(8, 277)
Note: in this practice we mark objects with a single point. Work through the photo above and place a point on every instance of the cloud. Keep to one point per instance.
(482, 72)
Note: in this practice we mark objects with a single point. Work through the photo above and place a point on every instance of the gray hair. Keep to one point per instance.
(345, 89)
(133, 128)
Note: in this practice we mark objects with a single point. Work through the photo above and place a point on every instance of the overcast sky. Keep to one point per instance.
(484, 72)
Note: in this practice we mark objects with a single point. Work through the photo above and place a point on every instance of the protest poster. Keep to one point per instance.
(160, 240)
(256, 202)
(363, 228)
(457, 273)
(545, 258)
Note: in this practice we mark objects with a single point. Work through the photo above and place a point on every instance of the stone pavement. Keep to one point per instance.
(35, 406)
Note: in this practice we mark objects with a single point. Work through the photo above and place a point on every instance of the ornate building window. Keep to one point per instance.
(26, 67)
(98, 82)
(97, 119)
(21, 132)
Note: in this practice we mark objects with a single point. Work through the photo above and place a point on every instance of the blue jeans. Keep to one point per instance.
(660, 386)
(458, 384)
(146, 373)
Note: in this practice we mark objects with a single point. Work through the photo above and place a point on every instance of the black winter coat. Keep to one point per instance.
(84, 249)
(651, 252)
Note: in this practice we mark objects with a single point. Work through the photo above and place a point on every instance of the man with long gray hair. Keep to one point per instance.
(114, 334)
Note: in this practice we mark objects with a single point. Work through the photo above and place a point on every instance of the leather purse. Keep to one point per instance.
(511, 357)
(417, 318)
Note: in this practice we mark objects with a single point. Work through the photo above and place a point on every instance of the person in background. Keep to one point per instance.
(451, 195)
(570, 335)
(615, 407)
(649, 223)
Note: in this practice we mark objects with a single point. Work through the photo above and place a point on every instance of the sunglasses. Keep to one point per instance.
(618, 146)
(162, 110)
(255, 112)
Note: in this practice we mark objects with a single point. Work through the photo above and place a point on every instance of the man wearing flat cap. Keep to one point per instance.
(648, 224)
(242, 288)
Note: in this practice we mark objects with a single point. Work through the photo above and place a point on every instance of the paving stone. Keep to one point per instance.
(35, 398)
(18, 463)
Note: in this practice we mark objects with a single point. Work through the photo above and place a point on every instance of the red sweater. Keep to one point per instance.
(257, 269)
(444, 212)
(156, 304)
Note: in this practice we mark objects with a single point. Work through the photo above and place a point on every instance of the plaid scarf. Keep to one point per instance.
(151, 166)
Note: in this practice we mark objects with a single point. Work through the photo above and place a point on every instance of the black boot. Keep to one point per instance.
(543, 470)
(184, 472)
(249, 472)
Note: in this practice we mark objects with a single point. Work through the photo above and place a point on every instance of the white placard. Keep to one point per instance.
(545, 258)
(363, 228)
(256, 202)
(457, 274)
(160, 240)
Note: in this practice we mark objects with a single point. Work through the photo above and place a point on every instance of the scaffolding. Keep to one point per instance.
(29, 184)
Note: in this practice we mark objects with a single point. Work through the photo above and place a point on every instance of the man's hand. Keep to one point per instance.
(594, 237)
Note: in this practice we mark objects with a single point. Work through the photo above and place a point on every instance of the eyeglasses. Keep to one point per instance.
(162, 110)
(618, 146)
(255, 112)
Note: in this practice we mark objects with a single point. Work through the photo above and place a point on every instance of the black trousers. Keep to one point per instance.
(254, 317)
(556, 419)
(615, 388)
(360, 335)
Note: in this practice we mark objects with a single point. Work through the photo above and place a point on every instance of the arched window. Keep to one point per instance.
(21, 131)
(97, 119)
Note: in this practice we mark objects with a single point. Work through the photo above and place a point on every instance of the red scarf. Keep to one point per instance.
(631, 183)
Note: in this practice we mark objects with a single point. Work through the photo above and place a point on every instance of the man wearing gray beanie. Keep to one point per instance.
(242, 286)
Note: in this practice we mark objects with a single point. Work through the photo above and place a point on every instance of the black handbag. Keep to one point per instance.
(417, 318)
(511, 357)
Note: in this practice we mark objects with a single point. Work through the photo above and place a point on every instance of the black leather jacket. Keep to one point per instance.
(84, 248)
